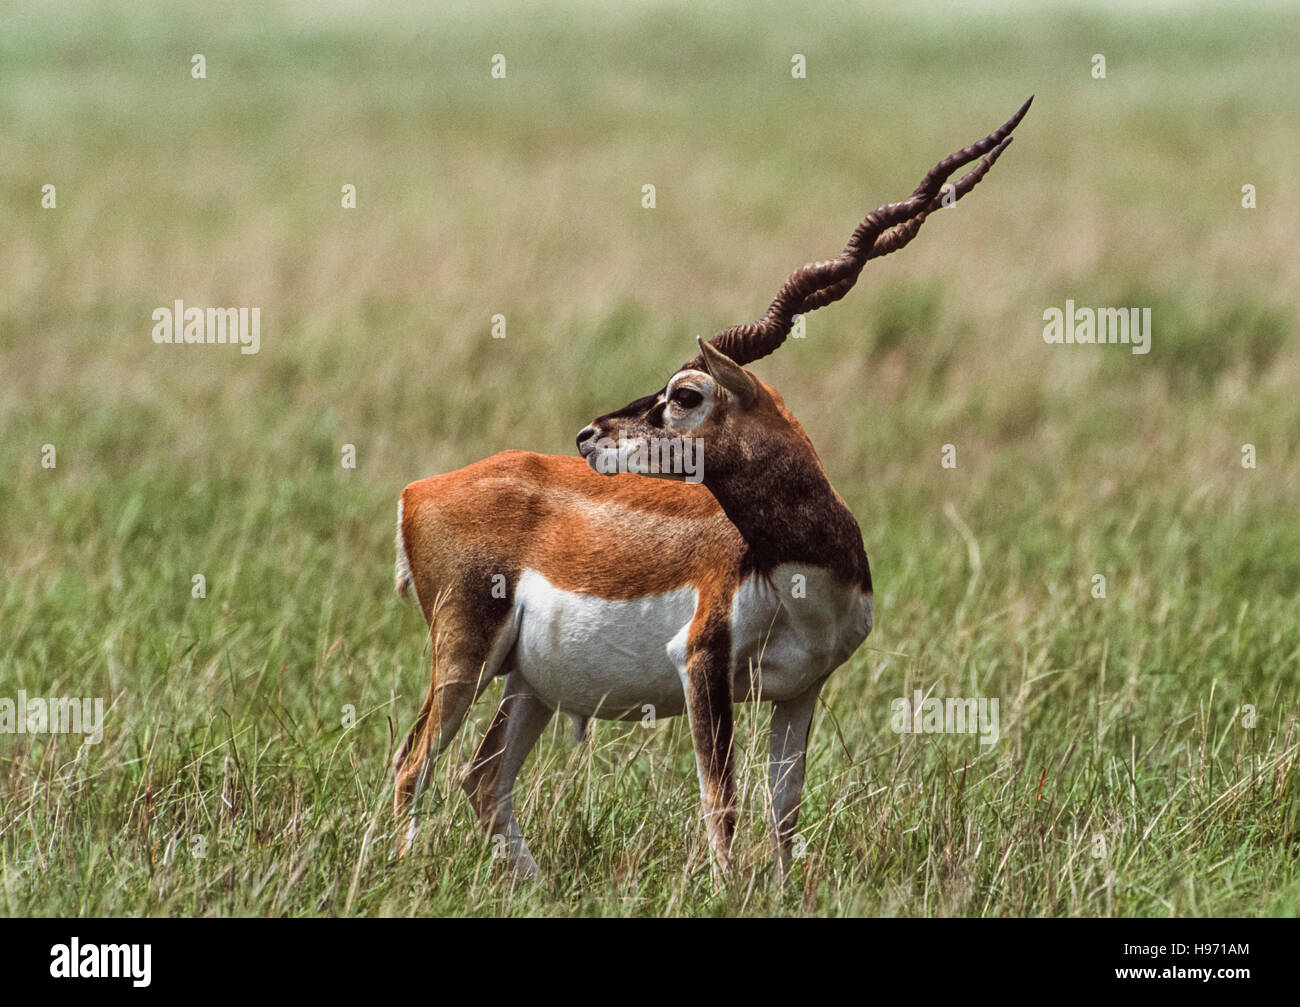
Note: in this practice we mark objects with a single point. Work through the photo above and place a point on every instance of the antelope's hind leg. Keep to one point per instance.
(441, 716)
(490, 780)
(464, 663)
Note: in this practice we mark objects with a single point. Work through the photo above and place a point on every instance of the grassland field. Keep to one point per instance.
(1146, 764)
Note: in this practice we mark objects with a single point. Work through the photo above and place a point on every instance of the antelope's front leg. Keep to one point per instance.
(790, 722)
(708, 703)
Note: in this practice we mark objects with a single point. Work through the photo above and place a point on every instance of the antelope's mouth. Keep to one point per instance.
(588, 437)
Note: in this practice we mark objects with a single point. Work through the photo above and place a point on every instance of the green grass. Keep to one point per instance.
(1120, 726)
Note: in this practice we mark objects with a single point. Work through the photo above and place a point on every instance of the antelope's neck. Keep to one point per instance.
(789, 513)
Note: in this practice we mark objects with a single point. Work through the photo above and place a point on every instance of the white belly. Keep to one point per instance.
(601, 658)
(610, 659)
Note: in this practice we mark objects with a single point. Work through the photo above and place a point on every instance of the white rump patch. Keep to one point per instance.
(405, 582)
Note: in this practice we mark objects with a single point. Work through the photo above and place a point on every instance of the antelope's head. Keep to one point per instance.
(713, 404)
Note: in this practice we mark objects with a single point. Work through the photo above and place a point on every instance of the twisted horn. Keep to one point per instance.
(884, 230)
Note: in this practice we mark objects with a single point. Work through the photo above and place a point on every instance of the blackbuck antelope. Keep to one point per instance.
(599, 592)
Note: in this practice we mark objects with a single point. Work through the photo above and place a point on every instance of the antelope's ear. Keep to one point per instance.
(729, 374)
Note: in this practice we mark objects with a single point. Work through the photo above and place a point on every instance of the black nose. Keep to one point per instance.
(586, 434)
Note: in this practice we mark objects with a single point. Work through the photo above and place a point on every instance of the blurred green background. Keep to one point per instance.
(522, 196)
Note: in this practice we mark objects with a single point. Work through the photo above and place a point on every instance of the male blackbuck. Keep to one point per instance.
(599, 592)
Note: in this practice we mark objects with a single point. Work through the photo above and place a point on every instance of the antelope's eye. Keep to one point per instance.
(687, 398)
